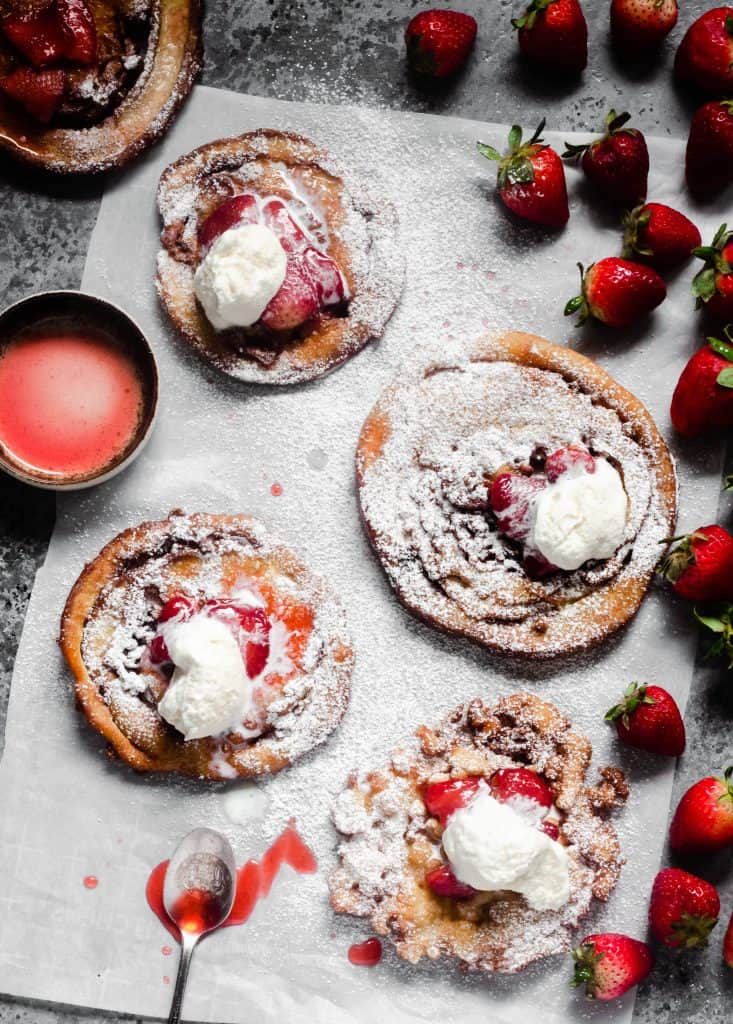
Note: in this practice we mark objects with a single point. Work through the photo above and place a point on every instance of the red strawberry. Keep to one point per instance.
(235, 211)
(159, 650)
(531, 179)
(444, 883)
(550, 828)
(713, 285)
(40, 92)
(700, 568)
(38, 34)
(709, 156)
(705, 56)
(564, 459)
(80, 32)
(443, 798)
(640, 25)
(256, 651)
(276, 217)
(703, 821)
(657, 234)
(438, 42)
(617, 164)
(648, 718)
(728, 943)
(610, 964)
(325, 275)
(703, 398)
(508, 784)
(554, 35)
(509, 498)
(177, 606)
(617, 292)
(683, 909)
(295, 302)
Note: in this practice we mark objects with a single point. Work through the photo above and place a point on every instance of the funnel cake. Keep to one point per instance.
(391, 842)
(319, 211)
(299, 668)
(94, 103)
(440, 436)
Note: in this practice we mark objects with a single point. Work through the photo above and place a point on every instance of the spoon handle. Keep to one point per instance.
(187, 948)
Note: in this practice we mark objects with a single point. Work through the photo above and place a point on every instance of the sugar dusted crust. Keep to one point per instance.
(171, 64)
(109, 618)
(426, 456)
(356, 230)
(389, 841)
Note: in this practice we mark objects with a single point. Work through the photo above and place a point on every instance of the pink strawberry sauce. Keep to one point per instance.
(276, 490)
(365, 954)
(254, 879)
(91, 882)
(76, 402)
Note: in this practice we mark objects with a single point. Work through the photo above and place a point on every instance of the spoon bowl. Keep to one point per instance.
(198, 894)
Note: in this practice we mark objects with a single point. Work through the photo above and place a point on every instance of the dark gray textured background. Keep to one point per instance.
(336, 51)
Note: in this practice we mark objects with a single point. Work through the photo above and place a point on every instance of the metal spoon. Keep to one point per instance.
(198, 894)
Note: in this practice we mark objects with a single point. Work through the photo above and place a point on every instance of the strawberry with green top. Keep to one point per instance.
(683, 909)
(709, 154)
(713, 285)
(609, 964)
(553, 35)
(658, 235)
(439, 42)
(617, 163)
(700, 568)
(704, 59)
(648, 719)
(638, 26)
(617, 292)
(703, 399)
(718, 619)
(703, 821)
(531, 179)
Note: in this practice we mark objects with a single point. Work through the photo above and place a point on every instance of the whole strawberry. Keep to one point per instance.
(617, 292)
(713, 285)
(703, 398)
(658, 235)
(683, 909)
(728, 943)
(439, 42)
(648, 718)
(703, 821)
(609, 964)
(531, 179)
(616, 164)
(700, 568)
(640, 25)
(709, 155)
(553, 34)
(705, 55)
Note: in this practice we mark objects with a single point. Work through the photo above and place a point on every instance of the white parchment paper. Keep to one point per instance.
(66, 811)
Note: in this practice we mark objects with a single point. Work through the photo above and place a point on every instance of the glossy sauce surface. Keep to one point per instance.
(69, 403)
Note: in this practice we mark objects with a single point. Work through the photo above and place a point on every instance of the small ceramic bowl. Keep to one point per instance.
(77, 312)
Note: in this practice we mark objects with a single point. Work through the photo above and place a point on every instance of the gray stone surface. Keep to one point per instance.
(351, 52)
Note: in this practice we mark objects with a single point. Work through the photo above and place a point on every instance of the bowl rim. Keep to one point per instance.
(151, 390)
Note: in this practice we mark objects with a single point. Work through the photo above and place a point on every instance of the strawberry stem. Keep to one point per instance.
(634, 696)
(718, 618)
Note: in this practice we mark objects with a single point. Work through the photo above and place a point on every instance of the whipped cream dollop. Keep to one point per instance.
(580, 516)
(242, 271)
(493, 848)
(210, 692)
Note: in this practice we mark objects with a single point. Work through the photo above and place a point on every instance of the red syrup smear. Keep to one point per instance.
(276, 490)
(365, 954)
(254, 881)
(91, 882)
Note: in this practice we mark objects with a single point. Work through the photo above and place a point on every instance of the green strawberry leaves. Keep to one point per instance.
(704, 283)
(723, 348)
(515, 166)
(634, 696)
(725, 378)
(728, 483)
(530, 15)
(632, 223)
(718, 618)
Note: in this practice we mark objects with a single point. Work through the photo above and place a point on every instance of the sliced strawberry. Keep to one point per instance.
(79, 31)
(537, 566)
(159, 650)
(295, 302)
(510, 497)
(518, 784)
(40, 92)
(566, 458)
(176, 607)
(276, 217)
(443, 798)
(444, 883)
(550, 828)
(255, 624)
(39, 35)
(325, 275)
(238, 210)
